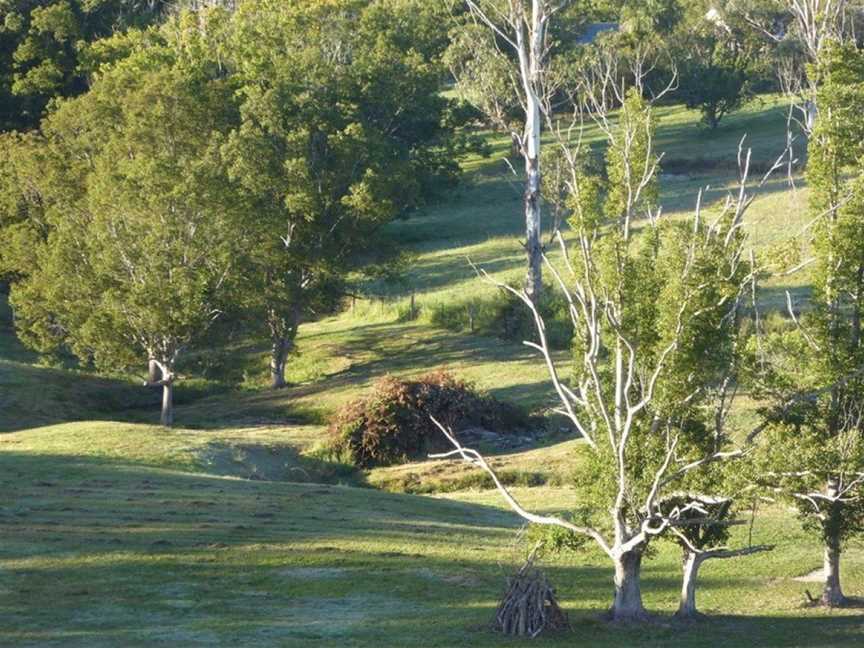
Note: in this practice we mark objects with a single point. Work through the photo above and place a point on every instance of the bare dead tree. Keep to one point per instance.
(813, 24)
(522, 27)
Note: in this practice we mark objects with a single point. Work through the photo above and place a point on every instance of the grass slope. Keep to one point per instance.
(115, 532)
(101, 550)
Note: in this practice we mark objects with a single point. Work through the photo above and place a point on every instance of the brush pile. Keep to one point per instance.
(529, 606)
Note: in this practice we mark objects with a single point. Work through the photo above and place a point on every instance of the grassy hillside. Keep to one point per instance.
(230, 530)
(107, 549)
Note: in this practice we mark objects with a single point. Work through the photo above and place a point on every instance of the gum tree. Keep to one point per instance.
(814, 455)
(703, 533)
(655, 305)
(502, 61)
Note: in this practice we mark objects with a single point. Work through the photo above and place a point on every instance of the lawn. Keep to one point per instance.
(233, 530)
(131, 548)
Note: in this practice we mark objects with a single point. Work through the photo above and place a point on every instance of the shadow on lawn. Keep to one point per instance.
(374, 350)
(33, 396)
(97, 553)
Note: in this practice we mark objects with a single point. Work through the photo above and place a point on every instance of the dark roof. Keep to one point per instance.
(593, 30)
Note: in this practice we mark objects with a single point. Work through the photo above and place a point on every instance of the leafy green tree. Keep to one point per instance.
(343, 129)
(44, 45)
(812, 368)
(717, 55)
(146, 230)
(22, 198)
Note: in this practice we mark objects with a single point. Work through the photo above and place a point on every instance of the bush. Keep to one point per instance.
(392, 424)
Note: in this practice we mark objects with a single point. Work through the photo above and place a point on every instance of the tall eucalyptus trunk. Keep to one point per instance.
(533, 245)
(531, 50)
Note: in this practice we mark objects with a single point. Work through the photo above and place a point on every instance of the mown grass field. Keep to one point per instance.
(231, 530)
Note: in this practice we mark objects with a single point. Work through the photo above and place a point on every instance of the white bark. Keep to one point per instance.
(278, 355)
(167, 417)
(832, 593)
(693, 559)
(523, 25)
(531, 63)
(533, 228)
(165, 379)
(610, 408)
(627, 604)
(687, 606)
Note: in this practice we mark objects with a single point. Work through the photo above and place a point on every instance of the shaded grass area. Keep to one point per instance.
(361, 352)
(103, 553)
(270, 453)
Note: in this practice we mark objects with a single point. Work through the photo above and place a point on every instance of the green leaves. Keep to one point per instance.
(815, 365)
(144, 228)
(44, 50)
(341, 130)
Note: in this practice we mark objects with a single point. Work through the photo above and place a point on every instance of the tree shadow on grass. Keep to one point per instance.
(33, 396)
(374, 350)
(98, 553)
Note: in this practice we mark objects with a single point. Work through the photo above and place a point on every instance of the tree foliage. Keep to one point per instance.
(718, 57)
(44, 49)
(145, 231)
(342, 130)
(814, 450)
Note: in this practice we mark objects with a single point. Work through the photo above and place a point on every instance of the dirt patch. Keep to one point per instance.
(273, 463)
(815, 576)
(457, 578)
(478, 437)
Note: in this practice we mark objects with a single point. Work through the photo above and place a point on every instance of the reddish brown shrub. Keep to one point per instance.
(392, 424)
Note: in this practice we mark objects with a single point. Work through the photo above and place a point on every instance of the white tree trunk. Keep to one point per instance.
(533, 245)
(687, 606)
(832, 594)
(152, 371)
(627, 605)
(812, 112)
(531, 53)
(278, 356)
(167, 418)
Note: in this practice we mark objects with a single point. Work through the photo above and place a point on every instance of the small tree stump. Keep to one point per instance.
(529, 606)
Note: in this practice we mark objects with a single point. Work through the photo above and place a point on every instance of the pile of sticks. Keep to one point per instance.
(529, 606)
